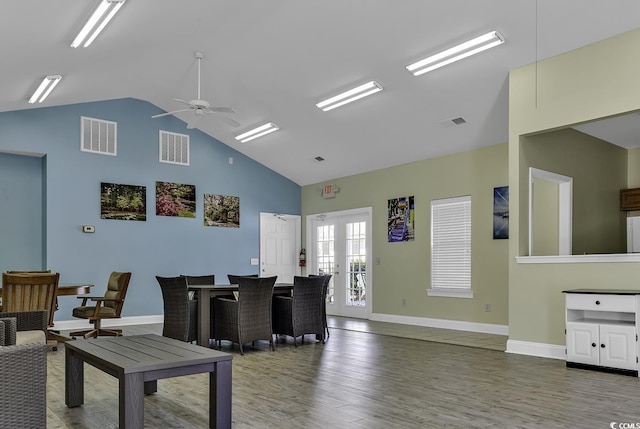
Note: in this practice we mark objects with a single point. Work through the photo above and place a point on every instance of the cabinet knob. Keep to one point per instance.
(602, 346)
(593, 344)
(597, 302)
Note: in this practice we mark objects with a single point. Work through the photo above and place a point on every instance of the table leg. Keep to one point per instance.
(131, 401)
(73, 379)
(204, 318)
(220, 396)
(150, 387)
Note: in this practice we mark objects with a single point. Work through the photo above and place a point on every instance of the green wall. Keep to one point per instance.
(592, 82)
(404, 269)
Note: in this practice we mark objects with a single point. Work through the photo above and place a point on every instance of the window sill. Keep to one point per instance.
(575, 259)
(451, 293)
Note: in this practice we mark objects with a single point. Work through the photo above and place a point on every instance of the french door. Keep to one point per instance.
(340, 245)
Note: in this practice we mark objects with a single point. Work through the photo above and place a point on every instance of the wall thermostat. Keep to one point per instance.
(88, 228)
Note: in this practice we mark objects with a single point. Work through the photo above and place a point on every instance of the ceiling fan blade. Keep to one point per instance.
(188, 103)
(159, 115)
(222, 110)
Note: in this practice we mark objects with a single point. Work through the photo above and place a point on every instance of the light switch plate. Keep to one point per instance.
(88, 228)
(254, 261)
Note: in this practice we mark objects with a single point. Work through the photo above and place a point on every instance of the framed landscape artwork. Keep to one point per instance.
(123, 202)
(175, 199)
(221, 210)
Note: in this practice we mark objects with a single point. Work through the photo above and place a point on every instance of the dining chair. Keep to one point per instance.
(180, 312)
(29, 292)
(325, 293)
(248, 318)
(301, 313)
(108, 306)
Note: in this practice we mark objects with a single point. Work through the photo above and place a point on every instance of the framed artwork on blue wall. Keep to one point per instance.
(123, 202)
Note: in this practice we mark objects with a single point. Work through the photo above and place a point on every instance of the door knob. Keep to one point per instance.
(593, 344)
(602, 346)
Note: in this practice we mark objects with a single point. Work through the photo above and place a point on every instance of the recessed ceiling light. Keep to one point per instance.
(458, 52)
(351, 95)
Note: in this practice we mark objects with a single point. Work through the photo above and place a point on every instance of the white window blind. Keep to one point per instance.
(451, 247)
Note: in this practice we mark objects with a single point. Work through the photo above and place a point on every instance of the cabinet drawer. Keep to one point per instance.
(598, 302)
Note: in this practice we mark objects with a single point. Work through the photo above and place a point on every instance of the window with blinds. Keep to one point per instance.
(451, 247)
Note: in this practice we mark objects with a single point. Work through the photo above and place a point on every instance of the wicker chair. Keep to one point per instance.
(301, 313)
(248, 318)
(325, 291)
(180, 312)
(208, 279)
(31, 326)
(234, 279)
(108, 306)
(23, 396)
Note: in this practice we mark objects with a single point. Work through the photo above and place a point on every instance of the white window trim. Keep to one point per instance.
(453, 292)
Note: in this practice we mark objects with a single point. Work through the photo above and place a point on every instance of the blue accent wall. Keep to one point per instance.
(21, 212)
(165, 246)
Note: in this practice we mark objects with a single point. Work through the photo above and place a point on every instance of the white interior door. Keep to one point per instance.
(279, 246)
(340, 245)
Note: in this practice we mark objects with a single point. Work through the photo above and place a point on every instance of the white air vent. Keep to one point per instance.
(174, 148)
(98, 136)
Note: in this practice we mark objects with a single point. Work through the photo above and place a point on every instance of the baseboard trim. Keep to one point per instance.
(68, 325)
(457, 325)
(551, 351)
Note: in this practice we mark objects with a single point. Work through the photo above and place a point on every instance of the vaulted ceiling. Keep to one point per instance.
(272, 60)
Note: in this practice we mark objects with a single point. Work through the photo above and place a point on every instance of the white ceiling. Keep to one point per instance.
(272, 60)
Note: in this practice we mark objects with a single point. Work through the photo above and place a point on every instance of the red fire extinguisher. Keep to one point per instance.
(303, 258)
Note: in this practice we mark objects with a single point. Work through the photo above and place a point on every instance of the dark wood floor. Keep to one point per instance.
(365, 379)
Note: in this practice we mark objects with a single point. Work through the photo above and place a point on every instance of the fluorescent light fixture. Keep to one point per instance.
(463, 50)
(45, 88)
(257, 132)
(350, 95)
(96, 23)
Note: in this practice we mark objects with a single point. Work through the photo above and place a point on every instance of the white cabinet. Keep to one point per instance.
(602, 329)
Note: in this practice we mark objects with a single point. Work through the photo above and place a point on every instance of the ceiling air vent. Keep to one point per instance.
(319, 158)
(174, 148)
(452, 122)
(98, 136)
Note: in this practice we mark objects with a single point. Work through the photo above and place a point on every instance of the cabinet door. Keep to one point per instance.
(618, 346)
(583, 344)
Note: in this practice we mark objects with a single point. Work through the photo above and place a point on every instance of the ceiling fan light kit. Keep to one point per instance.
(105, 11)
(257, 132)
(456, 53)
(349, 96)
(45, 88)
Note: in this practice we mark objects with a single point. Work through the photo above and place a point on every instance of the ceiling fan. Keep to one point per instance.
(200, 107)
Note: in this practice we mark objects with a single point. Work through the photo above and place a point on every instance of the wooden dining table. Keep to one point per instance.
(204, 293)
